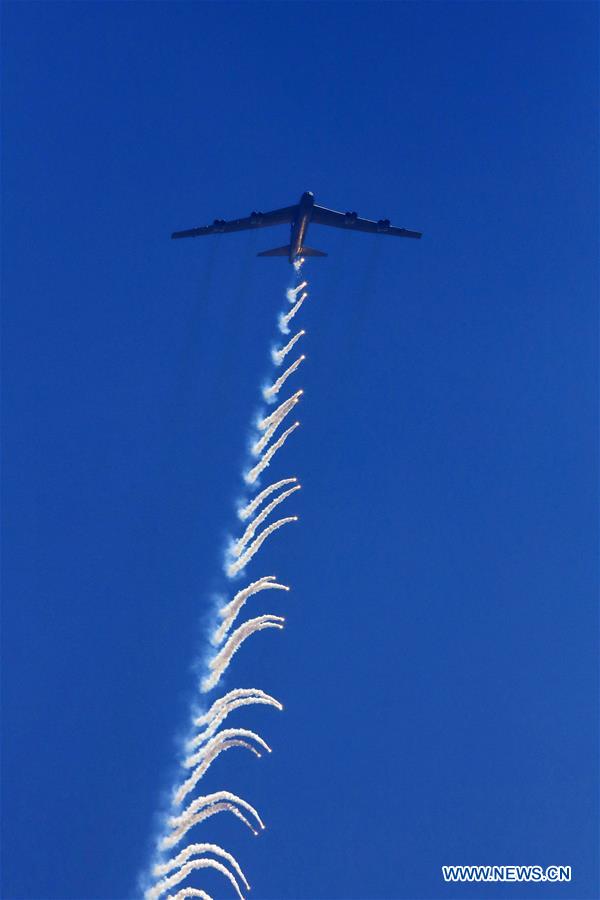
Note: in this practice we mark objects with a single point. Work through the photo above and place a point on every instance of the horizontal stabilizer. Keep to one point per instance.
(278, 251)
(308, 251)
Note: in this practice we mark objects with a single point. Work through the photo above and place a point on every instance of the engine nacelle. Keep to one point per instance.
(350, 218)
(219, 224)
(383, 225)
(256, 218)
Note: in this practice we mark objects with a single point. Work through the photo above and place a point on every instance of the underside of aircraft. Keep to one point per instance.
(299, 217)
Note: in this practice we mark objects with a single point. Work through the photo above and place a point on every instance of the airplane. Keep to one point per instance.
(300, 216)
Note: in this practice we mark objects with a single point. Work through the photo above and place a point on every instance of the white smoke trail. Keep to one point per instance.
(271, 392)
(200, 770)
(228, 698)
(210, 742)
(204, 807)
(247, 510)
(282, 410)
(279, 355)
(225, 735)
(260, 518)
(187, 892)
(175, 837)
(210, 800)
(195, 850)
(292, 293)
(284, 320)
(251, 476)
(243, 697)
(167, 883)
(256, 544)
(278, 416)
(220, 662)
(230, 612)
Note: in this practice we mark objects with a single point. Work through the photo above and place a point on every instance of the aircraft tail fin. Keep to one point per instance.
(310, 251)
(278, 251)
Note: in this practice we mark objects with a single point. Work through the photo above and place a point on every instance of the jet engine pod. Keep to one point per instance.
(350, 218)
(383, 225)
(219, 224)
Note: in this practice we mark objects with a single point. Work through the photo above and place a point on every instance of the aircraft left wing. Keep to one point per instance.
(254, 220)
(353, 222)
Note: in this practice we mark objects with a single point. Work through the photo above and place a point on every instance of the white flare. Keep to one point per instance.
(211, 800)
(189, 785)
(167, 883)
(221, 661)
(231, 707)
(187, 892)
(196, 850)
(247, 511)
(251, 476)
(256, 544)
(279, 355)
(217, 714)
(260, 518)
(282, 410)
(211, 810)
(284, 321)
(230, 612)
(280, 413)
(292, 293)
(232, 695)
(270, 392)
(225, 735)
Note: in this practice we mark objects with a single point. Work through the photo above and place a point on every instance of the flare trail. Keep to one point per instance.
(253, 474)
(279, 355)
(256, 544)
(220, 662)
(230, 612)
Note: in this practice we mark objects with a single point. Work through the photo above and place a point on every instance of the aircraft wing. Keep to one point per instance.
(254, 220)
(351, 221)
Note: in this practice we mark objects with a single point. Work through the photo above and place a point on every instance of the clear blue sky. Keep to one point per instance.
(439, 665)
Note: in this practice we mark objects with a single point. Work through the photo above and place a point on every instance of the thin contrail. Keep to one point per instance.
(167, 883)
(284, 321)
(280, 412)
(278, 384)
(222, 659)
(260, 518)
(251, 476)
(218, 739)
(256, 544)
(279, 355)
(200, 770)
(230, 612)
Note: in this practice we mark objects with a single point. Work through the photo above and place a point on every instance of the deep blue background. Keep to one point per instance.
(439, 664)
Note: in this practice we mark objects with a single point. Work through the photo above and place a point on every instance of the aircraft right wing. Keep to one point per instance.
(254, 220)
(353, 222)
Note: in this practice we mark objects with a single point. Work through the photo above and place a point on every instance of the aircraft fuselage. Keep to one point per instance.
(300, 224)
